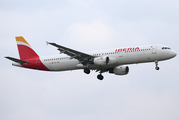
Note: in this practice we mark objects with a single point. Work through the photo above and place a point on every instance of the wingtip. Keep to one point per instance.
(47, 42)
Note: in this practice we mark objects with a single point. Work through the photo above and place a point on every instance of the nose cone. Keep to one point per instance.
(173, 54)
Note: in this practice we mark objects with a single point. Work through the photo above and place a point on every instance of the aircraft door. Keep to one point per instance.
(120, 54)
(154, 49)
(38, 62)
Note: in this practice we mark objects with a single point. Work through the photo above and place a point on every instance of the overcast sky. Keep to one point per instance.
(143, 94)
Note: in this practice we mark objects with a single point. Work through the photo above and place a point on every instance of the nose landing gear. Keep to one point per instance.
(156, 64)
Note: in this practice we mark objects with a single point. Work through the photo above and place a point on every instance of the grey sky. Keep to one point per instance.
(87, 26)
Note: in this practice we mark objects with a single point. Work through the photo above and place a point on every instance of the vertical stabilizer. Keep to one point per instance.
(24, 48)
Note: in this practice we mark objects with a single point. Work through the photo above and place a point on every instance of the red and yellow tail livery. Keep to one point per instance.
(25, 50)
(28, 57)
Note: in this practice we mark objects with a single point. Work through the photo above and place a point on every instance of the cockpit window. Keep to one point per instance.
(165, 48)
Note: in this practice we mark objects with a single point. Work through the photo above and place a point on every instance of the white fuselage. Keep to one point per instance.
(123, 56)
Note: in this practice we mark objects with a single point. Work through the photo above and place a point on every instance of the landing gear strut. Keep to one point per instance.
(87, 70)
(100, 77)
(156, 64)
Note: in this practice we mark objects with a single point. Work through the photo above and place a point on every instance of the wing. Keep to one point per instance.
(83, 58)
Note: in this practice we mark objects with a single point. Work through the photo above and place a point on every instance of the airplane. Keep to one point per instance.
(114, 61)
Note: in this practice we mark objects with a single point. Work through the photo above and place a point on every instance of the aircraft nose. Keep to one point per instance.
(174, 53)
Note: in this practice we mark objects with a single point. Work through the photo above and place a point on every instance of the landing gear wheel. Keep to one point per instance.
(156, 64)
(100, 77)
(157, 68)
(87, 71)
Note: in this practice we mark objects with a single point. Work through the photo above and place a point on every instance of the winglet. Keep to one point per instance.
(47, 42)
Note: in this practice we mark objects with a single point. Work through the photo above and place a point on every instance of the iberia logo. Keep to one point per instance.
(127, 49)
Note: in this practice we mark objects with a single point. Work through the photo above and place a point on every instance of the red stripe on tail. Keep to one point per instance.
(26, 52)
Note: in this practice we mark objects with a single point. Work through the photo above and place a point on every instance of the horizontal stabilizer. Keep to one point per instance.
(17, 60)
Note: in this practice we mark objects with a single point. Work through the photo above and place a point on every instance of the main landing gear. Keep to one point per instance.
(156, 64)
(100, 77)
(87, 70)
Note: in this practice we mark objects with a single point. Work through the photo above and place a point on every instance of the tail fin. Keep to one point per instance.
(25, 50)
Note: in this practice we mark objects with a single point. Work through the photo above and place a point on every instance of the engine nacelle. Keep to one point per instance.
(101, 60)
(104, 60)
(121, 70)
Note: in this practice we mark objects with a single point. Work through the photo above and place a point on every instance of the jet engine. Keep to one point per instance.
(104, 60)
(121, 70)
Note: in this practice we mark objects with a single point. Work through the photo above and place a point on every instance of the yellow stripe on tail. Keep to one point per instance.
(21, 39)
